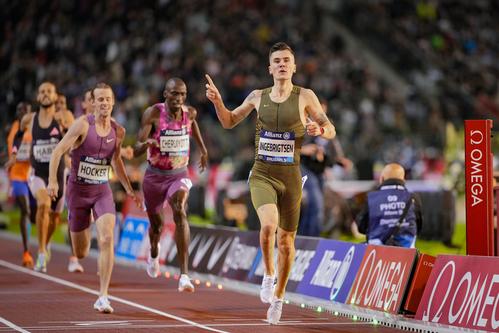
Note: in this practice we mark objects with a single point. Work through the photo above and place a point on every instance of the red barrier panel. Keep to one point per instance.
(479, 196)
(463, 291)
(419, 280)
(382, 278)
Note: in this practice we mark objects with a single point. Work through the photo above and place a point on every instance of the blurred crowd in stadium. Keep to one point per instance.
(445, 51)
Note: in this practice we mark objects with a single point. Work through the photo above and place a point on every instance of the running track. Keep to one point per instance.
(60, 301)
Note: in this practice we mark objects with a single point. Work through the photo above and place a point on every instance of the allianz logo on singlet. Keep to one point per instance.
(181, 131)
(93, 170)
(277, 135)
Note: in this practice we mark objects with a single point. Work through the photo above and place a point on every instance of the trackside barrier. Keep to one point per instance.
(382, 278)
(365, 283)
(462, 291)
(332, 270)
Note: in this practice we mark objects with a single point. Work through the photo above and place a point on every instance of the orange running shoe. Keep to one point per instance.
(27, 260)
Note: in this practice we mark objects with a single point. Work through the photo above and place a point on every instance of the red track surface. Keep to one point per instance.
(60, 301)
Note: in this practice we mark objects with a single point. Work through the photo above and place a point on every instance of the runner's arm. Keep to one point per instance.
(76, 130)
(119, 166)
(320, 124)
(143, 140)
(227, 118)
(196, 133)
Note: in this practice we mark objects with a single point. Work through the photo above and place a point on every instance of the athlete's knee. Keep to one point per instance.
(179, 203)
(179, 215)
(285, 246)
(43, 207)
(268, 230)
(106, 240)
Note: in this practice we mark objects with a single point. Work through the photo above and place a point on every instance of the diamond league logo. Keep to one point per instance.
(286, 135)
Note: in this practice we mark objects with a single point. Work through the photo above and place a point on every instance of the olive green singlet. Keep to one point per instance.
(276, 177)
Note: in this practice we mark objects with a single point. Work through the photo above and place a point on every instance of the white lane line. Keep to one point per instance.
(113, 298)
(12, 325)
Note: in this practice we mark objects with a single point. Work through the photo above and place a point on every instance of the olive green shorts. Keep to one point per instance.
(280, 185)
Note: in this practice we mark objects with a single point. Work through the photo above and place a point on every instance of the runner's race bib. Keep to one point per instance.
(23, 152)
(42, 150)
(276, 147)
(93, 170)
(174, 142)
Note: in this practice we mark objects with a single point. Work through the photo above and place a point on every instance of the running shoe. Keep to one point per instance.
(74, 265)
(27, 260)
(267, 288)
(185, 284)
(274, 312)
(41, 263)
(153, 265)
(102, 305)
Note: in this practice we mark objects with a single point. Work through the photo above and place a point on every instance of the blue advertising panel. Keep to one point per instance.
(132, 236)
(332, 270)
(304, 252)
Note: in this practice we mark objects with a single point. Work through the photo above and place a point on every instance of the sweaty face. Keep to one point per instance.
(103, 101)
(47, 94)
(175, 95)
(282, 64)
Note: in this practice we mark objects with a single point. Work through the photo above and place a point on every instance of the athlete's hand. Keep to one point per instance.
(127, 152)
(203, 162)
(151, 142)
(135, 198)
(313, 129)
(53, 189)
(212, 92)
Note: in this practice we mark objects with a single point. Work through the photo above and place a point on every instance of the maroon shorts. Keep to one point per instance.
(159, 188)
(83, 199)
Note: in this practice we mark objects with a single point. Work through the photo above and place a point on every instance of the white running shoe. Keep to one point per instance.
(185, 284)
(74, 266)
(267, 288)
(41, 263)
(102, 305)
(274, 312)
(153, 265)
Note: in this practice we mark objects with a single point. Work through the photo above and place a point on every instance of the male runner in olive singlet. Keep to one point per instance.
(285, 113)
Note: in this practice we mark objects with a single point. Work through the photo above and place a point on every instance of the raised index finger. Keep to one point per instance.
(210, 81)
